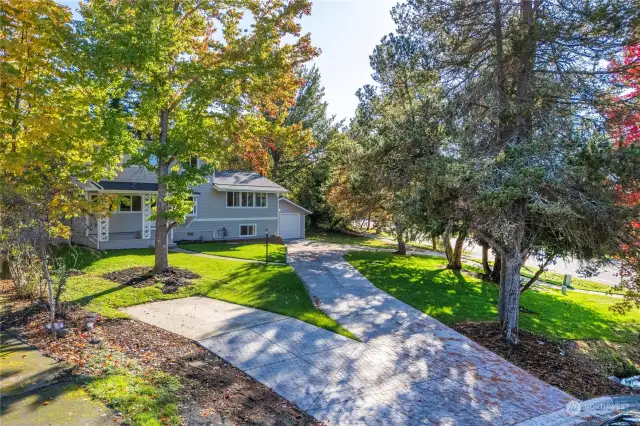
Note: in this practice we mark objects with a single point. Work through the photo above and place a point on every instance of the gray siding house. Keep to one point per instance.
(232, 205)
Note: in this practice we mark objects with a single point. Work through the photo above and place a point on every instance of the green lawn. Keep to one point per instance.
(424, 283)
(555, 278)
(272, 288)
(371, 241)
(335, 237)
(252, 251)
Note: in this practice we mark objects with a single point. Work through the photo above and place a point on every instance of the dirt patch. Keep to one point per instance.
(562, 364)
(213, 392)
(172, 278)
(212, 387)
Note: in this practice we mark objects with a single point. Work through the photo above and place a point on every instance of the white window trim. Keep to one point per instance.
(195, 207)
(266, 204)
(255, 228)
(131, 212)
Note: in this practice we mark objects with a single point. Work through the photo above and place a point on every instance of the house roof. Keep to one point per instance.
(229, 180)
(127, 186)
(296, 205)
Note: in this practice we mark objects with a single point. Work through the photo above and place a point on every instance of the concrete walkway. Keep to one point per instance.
(410, 368)
(33, 390)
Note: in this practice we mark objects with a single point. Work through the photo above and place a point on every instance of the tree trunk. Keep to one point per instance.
(448, 250)
(434, 243)
(162, 225)
(509, 303)
(535, 276)
(485, 259)
(456, 262)
(47, 278)
(497, 268)
(369, 222)
(402, 247)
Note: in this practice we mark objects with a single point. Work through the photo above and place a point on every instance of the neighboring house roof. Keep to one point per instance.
(127, 186)
(230, 180)
(296, 205)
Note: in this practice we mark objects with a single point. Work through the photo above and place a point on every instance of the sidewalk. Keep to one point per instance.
(34, 390)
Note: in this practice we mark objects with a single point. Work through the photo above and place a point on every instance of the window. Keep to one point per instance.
(246, 199)
(194, 211)
(131, 203)
(193, 162)
(248, 230)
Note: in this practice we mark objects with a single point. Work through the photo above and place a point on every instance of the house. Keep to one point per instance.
(232, 205)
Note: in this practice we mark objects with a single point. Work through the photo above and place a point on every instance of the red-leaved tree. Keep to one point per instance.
(624, 119)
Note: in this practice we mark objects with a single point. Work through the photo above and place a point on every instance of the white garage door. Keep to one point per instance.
(290, 225)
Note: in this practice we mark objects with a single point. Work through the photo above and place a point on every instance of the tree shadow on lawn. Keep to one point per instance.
(452, 297)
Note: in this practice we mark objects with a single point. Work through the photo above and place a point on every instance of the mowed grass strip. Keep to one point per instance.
(451, 297)
(250, 251)
(273, 288)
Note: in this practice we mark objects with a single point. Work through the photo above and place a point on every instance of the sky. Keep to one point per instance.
(346, 31)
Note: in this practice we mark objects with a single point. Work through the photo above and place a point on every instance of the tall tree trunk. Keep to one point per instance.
(434, 243)
(509, 303)
(455, 262)
(497, 268)
(485, 259)
(162, 225)
(369, 222)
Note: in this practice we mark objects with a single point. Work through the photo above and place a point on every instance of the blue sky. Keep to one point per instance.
(346, 31)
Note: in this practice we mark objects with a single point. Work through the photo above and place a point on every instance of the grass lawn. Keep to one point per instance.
(252, 251)
(555, 278)
(335, 237)
(272, 288)
(424, 283)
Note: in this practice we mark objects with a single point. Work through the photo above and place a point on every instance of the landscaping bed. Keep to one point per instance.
(567, 365)
(149, 375)
(172, 278)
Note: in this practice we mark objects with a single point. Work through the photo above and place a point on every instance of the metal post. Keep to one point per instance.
(566, 283)
(266, 241)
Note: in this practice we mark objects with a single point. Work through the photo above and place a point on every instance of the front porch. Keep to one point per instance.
(126, 227)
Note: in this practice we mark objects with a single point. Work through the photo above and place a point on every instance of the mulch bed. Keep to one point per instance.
(213, 391)
(558, 363)
(172, 278)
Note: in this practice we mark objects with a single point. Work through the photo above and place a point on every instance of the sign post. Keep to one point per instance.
(266, 243)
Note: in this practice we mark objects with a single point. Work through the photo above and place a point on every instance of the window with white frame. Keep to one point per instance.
(193, 162)
(130, 204)
(248, 230)
(246, 199)
(194, 210)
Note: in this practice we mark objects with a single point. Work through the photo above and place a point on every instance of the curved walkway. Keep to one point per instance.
(410, 369)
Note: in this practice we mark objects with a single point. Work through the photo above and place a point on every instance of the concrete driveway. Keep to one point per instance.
(408, 369)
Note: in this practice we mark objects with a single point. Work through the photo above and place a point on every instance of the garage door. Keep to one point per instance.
(290, 225)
